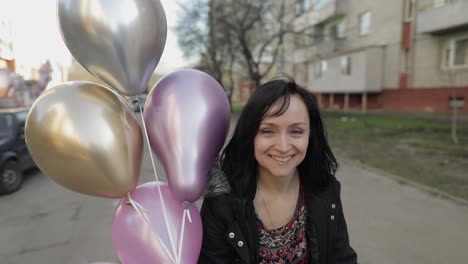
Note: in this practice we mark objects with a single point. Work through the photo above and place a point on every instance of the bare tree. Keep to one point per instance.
(258, 28)
(247, 34)
(198, 35)
(452, 75)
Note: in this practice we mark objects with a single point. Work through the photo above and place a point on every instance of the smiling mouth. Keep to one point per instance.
(281, 159)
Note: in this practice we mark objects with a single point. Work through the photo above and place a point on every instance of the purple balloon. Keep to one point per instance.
(135, 241)
(187, 116)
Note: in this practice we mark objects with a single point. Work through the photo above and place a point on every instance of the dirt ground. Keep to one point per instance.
(417, 147)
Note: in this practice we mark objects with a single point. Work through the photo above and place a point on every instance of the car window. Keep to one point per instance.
(6, 124)
(21, 116)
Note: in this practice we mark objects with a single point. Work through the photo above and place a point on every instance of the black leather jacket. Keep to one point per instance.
(230, 236)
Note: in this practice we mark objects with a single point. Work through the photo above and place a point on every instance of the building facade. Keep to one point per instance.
(404, 55)
(21, 83)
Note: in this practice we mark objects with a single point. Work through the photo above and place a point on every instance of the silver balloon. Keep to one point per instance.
(120, 42)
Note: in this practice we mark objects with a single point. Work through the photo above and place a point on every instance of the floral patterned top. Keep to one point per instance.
(287, 244)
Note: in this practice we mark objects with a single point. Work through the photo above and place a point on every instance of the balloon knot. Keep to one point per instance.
(129, 198)
(186, 205)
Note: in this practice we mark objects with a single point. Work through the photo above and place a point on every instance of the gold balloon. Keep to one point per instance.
(85, 137)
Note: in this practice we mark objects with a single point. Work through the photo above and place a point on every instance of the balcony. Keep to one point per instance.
(366, 74)
(320, 50)
(328, 10)
(444, 18)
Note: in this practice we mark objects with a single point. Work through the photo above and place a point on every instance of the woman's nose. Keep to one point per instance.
(282, 143)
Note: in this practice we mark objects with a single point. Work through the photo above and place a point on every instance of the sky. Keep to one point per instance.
(36, 35)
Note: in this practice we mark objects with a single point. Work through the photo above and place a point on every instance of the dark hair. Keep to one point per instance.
(238, 158)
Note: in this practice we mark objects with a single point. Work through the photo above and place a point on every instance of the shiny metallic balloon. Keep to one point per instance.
(86, 138)
(136, 241)
(120, 42)
(187, 116)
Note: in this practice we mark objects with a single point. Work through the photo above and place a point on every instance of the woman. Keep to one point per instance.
(276, 199)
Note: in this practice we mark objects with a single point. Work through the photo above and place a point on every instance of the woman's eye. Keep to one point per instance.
(267, 131)
(297, 132)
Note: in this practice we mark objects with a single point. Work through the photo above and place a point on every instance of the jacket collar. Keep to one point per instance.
(217, 182)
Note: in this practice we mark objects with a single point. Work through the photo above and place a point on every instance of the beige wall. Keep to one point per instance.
(452, 14)
(428, 70)
(386, 17)
(366, 74)
(428, 47)
(391, 68)
(375, 57)
(374, 69)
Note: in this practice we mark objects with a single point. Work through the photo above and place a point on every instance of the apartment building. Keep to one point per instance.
(403, 55)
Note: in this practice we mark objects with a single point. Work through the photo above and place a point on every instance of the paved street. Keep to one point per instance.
(394, 223)
(44, 223)
(389, 223)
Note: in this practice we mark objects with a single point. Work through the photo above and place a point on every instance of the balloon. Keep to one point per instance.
(120, 42)
(136, 241)
(86, 138)
(187, 116)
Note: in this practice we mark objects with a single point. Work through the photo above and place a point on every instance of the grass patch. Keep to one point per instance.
(415, 147)
(237, 106)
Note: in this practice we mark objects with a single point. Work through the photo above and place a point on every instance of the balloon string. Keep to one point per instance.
(142, 212)
(187, 205)
(189, 216)
(182, 231)
(157, 181)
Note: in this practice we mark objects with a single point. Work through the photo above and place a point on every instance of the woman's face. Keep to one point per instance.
(281, 141)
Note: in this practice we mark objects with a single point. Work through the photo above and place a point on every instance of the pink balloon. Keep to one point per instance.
(187, 115)
(136, 241)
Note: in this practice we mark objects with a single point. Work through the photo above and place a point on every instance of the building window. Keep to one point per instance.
(304, 39)
(439, 3)
(319, 69)
(457, 102)
(364, 23)
(319, 3)
(455, 53)
(460, 52)
(446, 55)
(409, 10)
(299, 9)
(339, 29)
(334, 30)
(345, 62)
(320, 34)
(301, 6)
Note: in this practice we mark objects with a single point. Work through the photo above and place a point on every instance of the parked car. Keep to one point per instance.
(14, 155)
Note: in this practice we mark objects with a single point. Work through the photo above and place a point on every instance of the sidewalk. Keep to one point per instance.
(390, 222)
